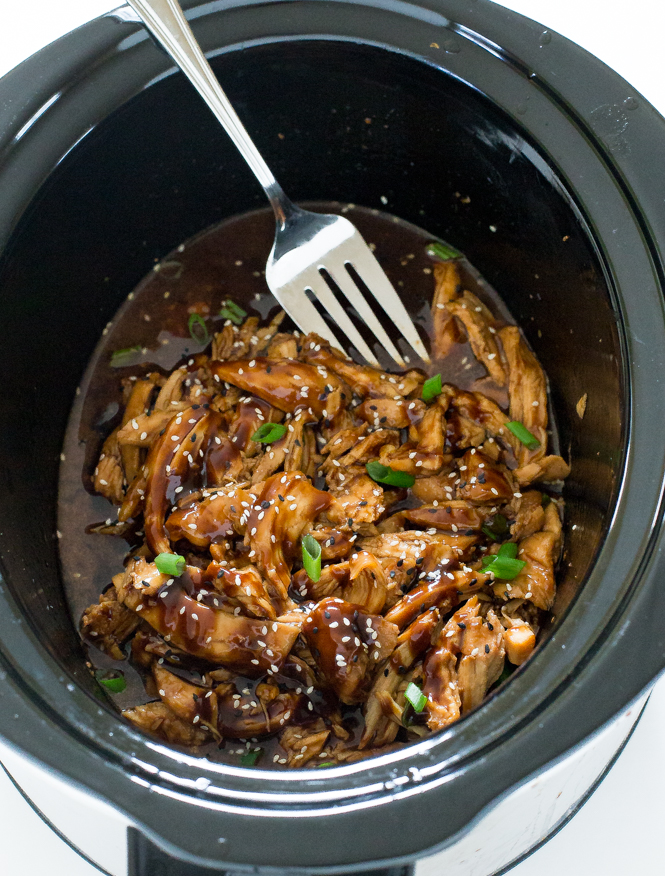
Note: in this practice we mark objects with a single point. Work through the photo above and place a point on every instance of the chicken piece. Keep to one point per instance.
(108, 624)
(434, 488)
(544, 470)
(283, 346)
(541, 552)
(246, 716)
(364, 450)
(390, 413)
(364, 380)
(250, 414)
(482, 659)
(141, 576)
(243, 587)
(444, 703)
(519, 640)
(292, 452)
(335, 543)
(445, 332)
(455, 516)
(133, 502)
(142, 430)
(368, 583)
(383, 714)
(135, 409)
(222, 343)
(190, 702)
(482, 482)
(436, 590)
(301, 744)
(530, 515)
(481, 329)
(286, 384)
(108, 478)
(416, 549)
(262, 338)
(342, 441)
(212, 520)
(347, 645)
(249, 645)
(170, 396)
(473, 411)
(452, 687)
(358, 498)
(527, 388)
(330, 583)
(423, 456)
(286, 507)
(158, 720)
(170, 461)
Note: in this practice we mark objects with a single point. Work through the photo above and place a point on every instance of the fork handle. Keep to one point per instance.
(166, 21)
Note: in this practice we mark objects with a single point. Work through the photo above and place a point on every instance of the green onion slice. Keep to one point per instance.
(431, 388)
(522, 434)
(504, 565)
(251, 757)
(416, 697)
(509, 549)
(269, 433)
(311, 557)
(231, 310)
(170, 564)
(325, 764)
(497, 528)
(384, 474)
(115, 685)
(122, 358)
(443, 251)
(198, 329)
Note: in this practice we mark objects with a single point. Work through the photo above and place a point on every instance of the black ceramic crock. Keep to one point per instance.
(108, 160)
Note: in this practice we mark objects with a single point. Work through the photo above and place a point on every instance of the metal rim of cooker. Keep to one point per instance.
(591, 667)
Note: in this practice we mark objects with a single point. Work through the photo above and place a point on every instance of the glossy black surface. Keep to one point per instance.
(537, 163)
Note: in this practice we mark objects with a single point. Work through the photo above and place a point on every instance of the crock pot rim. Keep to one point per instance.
(620, 165)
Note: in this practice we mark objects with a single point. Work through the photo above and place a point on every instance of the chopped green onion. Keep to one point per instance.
(269, 432)
(251, 757)
(545, 501)
(198, 329)
(432, 388)
(505, 568)
(522, 434)
(231, 310)
(497, 528)
(170, 564)
(311, 557)
(443, 251)
(115, 685)
(327, 763)
(509, 549)
(416, 697)
(504, 565)
(384, 474)
(122, 358)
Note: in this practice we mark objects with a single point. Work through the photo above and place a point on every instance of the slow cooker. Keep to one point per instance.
(107, 162)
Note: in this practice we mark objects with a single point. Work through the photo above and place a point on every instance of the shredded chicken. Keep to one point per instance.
(238, 468)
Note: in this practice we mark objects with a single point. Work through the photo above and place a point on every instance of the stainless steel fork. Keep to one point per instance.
(307, 245)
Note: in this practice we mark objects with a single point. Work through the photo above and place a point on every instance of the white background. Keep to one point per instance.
(620, 829)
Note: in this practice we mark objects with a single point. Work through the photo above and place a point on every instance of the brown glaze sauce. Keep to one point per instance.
(227, 260)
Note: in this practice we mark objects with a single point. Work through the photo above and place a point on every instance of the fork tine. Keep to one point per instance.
(322, 291)
(301, 310)
(357, 300)
(373, 276)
